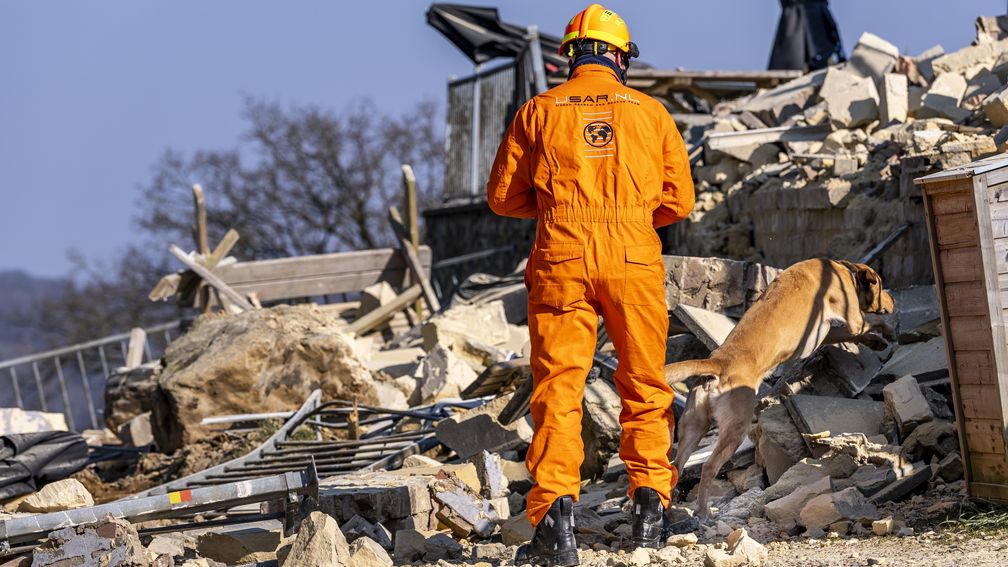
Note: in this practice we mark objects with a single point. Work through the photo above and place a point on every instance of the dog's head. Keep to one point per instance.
(871, 296)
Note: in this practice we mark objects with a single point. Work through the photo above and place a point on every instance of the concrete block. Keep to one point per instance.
(486, 323)
(816, 414)
(517, 530)
(493, 481)
(932, 439)
(851, 100)
(868, 479)
(803, 473)
(995, 107)
(918, 477)
(895, 102)
(365, 552)
(851, 366)
(137, 431)
(779, 444)
(358, 527)
(66, 494)
(471, 431)
(872, 57)
(395, 500)
(462, 510)
(239, 545)
(785, 511)
(959, 61)
(943, 98)
(832, 507)
(979, 87)
(711, 328)
(109, 542)
(907, 404)
(925, 59)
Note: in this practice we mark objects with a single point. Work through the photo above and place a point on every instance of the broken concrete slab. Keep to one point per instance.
(872, 57)
(831, 507)
(359, 527)
(784, 511)
(462, 510)
(490, 472)
(995, 107)
(486, 323)
(441, 374)
(924, 62)
(944, 97)
(934, 439)
(711, 328)
(907, 404)
(365, 552)
(818, 414)
(776, 104)
(851, 366)
(962, 60)
(851, 100)
(803, 473)
(925, 361)
(916, 478)
(111, 542)
(779, 444)
(66, 494)
(600, 427)
(724, 286)
(869, 479)
(395, 500)
(239, 545)
(478, 429)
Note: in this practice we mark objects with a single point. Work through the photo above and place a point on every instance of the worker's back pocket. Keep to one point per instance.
(644, 281)
(556, 275)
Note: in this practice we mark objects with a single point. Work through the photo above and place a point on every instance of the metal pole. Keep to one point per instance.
(63, 392)
(38, 386)
(475, 142)
(174, 504)
(537, 59)
(86, 382)
(17, 389)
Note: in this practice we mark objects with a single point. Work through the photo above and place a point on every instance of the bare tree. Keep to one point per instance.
(305, 180)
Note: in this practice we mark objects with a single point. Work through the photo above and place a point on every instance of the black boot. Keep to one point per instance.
(553, 543)
(647, 517)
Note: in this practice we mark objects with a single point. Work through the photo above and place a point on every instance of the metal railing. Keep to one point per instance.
(60, 379)
(480, 107)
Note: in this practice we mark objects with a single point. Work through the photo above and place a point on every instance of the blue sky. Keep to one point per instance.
(92, 93)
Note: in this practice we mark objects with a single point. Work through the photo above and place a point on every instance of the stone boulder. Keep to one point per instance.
(263, 360)
(58, 496)
(110, 542)
(319, 541)
(128, 393)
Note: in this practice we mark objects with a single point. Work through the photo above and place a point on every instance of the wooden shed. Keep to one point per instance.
(967, 220)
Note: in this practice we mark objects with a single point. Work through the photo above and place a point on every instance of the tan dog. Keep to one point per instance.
(811, 303)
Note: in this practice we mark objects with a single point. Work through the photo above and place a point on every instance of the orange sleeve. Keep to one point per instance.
(677, 183)
(509, 191)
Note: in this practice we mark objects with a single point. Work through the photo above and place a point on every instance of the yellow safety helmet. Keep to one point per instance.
(597, 23)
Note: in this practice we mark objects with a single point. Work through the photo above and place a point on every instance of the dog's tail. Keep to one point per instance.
(679, 371)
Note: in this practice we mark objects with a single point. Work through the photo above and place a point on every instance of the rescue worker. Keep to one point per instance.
(599, 166)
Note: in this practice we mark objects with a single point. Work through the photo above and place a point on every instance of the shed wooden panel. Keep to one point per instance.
(966, 210)
(980, 402)
(974, 367)
(961, 265)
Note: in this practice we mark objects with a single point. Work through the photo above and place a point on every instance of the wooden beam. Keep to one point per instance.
(210, 278)
(375, 318)
(222, 249)
(202, 241)
(410, 202)
(413, 260)
(135, 351)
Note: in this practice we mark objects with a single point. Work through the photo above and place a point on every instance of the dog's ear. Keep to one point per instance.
(869, 286)
(867, 277)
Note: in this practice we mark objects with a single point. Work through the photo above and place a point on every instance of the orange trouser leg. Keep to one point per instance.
(563, 344)
(639, 334)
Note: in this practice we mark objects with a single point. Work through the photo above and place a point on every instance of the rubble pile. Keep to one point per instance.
(831, 155)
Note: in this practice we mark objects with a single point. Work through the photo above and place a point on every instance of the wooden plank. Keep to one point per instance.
(974, 367)
(135, 350)
(210, 278)
(952, 203)
(988, 468)
(966, 298)
(416, 268)
(412, 222)
(985, 436)
(995, 315)
(961, 265)
(377, 261)
(988, 491)
(970, 333)
(222, 249)
(998, 210)
(200, 230)
(940, 263)
(980, 402)
(310, 287)
(383, 313)
(956, 231)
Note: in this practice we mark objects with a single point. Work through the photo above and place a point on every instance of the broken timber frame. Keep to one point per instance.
(413, 260)
(210, 278)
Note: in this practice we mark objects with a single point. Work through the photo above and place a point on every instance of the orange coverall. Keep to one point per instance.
(600, 166)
